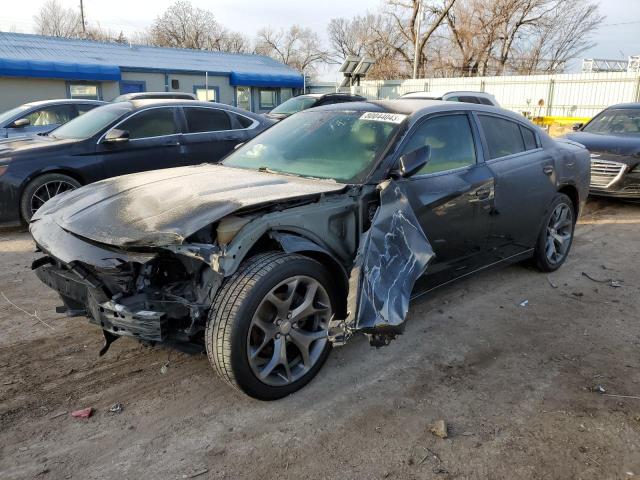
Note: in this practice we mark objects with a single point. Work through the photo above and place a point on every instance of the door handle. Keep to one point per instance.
(172, 144)
(548, 170)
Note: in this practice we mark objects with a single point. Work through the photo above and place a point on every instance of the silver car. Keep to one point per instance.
(42, 117)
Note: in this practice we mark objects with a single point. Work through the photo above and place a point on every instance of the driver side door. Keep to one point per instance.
(155, 141)
(452, 196)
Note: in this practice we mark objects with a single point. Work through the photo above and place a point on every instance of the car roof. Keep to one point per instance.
(625, 105)
(160, 102)
(440, 94)
(57, 101)
(417, 108)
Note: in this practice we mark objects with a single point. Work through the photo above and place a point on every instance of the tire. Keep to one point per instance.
(53, 183)
(247, 319)
(549, 258)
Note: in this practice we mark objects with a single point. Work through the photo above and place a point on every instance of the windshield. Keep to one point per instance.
(90, 123)
(623, 121)
(338, 145)
(294, 105)
(9, 114)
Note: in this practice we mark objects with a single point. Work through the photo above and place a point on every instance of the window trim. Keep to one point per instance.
(276, 91)
(475, 135)
(69, 83)
(143, 83)
(253, 125)
(210, 87)
(122, 120)
(485, 144)
(235, 98)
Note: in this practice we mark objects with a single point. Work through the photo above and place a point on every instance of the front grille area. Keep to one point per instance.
(605, 173)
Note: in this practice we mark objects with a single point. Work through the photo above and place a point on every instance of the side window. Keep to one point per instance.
(529, 137)
(241, 120)
(54, 115)
(206, 120)
(155, 122)
(503, 136)
(451, 142)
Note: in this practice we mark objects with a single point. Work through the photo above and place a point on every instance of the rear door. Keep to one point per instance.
(154, 142)
(452, 196)
(524, 183)
(211, 133)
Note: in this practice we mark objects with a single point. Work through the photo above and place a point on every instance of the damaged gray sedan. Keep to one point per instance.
(317, 229)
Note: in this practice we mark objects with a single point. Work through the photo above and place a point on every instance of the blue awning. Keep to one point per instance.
(63, 70)
(266, 80)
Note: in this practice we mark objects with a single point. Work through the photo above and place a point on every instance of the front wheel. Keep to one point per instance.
(267, 332)
(43, 188)
(556, 236)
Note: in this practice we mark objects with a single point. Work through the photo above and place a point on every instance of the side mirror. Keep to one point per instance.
(577, 126)
(412, 162)
(116, 135)
(21, 122)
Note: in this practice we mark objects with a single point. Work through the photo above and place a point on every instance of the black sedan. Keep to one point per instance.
(613, 138)
(117, 139)
(310, 100)
(315, 230)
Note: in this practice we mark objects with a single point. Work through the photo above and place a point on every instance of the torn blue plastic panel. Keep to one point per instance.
(392, 255)
(62, 70)
(283, 80)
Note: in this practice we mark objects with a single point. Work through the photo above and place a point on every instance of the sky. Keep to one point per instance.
(616, 38)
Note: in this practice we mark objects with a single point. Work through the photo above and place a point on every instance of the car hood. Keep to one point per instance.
(614, 144)
(163, 207)
(27, 144)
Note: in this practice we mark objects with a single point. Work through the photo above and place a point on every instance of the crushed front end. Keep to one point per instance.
(153, 296)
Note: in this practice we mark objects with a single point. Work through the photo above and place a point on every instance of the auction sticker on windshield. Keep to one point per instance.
(383, 117)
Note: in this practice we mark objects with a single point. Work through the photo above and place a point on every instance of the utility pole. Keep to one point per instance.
(417, 41)
(84, 27)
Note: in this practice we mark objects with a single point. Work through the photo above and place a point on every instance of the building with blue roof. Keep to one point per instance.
(35, 67)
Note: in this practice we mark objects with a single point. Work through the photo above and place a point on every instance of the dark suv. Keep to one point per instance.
(303, 102)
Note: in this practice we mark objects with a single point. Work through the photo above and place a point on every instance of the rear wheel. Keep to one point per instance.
(556, 236)
(267, 333)
(43, 188)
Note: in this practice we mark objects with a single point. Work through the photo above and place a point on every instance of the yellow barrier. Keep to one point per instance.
(553, 120)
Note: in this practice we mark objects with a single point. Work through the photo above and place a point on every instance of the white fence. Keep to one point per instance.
(570, 95)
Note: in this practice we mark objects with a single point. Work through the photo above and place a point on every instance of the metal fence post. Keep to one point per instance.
(552, 83)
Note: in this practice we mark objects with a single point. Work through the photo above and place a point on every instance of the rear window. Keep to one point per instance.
(529, 137)
(207, 120)
(503, 136)
(485, 101)
(243, 121)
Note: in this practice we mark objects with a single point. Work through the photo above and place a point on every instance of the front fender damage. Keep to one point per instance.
(391, 256)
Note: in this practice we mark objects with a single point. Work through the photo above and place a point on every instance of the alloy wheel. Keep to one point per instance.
(559, 233)
(47, 191)
(289, 330)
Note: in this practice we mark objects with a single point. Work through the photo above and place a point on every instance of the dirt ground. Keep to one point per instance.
(514, 384)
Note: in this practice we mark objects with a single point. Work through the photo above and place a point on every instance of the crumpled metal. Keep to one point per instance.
(392, 255)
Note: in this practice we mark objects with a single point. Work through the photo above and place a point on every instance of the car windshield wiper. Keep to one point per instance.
(278, 172)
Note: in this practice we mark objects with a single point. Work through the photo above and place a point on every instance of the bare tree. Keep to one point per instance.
(371, 35)
(184, 26)
(297, 47)
(56, 21)
(407, 15)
